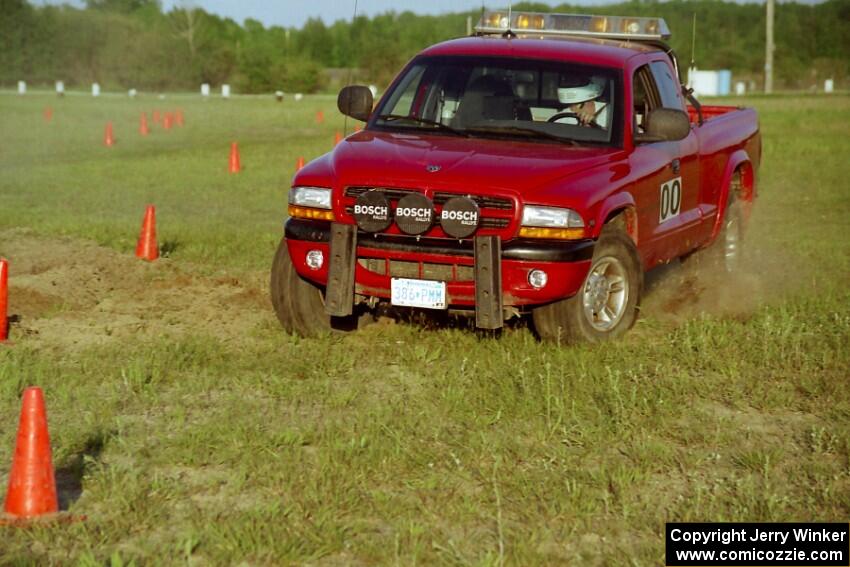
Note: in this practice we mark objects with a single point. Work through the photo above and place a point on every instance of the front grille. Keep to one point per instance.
(418, 270)
(485, 202)
(392, 194)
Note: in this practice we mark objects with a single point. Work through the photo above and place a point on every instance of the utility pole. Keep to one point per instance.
(768, 50)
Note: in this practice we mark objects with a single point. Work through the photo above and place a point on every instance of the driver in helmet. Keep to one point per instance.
(580, 94)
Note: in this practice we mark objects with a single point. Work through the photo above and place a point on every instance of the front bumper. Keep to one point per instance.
(376, 259)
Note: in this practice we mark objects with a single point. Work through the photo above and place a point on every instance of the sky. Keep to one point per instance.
(293, 13)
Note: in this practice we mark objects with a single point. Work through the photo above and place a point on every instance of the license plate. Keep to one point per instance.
(418, 293)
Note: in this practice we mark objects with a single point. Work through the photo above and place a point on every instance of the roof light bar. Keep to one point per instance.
(612, 27)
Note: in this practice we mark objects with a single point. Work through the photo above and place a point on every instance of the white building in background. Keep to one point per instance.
(828, 86)
(60, 88)
(225, 91)
(22, 87)
(710, 83)
(205, 90)
(95, 89)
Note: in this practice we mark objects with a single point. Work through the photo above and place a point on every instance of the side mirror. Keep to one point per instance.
(355, 101)
(665, 125)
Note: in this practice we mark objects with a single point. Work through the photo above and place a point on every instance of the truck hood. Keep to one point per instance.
(392, 159)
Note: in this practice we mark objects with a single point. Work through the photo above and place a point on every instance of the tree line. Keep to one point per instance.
(135, 44)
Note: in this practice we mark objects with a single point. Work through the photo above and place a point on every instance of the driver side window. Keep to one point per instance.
(644, 98)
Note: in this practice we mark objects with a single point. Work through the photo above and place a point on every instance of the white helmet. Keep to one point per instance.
(575, 90)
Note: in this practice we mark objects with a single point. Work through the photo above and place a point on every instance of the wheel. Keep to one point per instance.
(723, 256)
(607, 302)
(300, 305)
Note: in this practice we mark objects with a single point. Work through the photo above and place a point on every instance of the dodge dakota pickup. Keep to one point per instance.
(536, 169)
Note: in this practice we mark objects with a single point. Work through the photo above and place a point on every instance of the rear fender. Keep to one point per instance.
(747, 191)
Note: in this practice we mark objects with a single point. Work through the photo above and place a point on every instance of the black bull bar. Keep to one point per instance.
(486, 250)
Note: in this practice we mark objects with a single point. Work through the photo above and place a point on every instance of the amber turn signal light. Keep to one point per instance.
(297, 212)
(553, 233)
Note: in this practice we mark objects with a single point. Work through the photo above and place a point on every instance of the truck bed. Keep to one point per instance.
(709, 112)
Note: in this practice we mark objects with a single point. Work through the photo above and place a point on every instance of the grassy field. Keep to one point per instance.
(189, 429)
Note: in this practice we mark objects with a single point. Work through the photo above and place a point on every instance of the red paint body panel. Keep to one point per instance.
(596, 181)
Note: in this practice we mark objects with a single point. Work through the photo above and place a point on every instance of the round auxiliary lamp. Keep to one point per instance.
(372, 211)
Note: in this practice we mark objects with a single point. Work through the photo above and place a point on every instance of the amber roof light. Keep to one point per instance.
(611, 27)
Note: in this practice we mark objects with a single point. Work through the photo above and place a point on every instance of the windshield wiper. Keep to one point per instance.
(439, 125)
(520, 130)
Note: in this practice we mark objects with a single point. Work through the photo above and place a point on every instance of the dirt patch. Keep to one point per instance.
(680, 291)
(778, 426)
(71, 292)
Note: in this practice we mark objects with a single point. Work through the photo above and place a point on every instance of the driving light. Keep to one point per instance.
(537, 278)
(315, 197)
(315, 259)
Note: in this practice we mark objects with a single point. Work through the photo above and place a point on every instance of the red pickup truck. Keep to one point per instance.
(539, 168)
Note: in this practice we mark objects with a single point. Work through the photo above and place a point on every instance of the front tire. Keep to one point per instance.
(606, 305)
(299, 304)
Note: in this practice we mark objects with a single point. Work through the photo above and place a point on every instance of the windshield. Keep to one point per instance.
(500, 97)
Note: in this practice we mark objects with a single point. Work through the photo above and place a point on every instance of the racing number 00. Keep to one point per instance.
(671, 199)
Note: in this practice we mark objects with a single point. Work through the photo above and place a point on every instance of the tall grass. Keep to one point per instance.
(405, 445)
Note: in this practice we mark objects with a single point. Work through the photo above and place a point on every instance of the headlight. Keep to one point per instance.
(316, 197)
(310, 203)
(551, 222)
(551, 217)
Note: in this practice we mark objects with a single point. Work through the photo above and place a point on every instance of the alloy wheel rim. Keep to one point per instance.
(731, 244)
(605, 294)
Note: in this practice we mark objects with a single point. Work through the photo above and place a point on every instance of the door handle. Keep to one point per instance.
(675, 165)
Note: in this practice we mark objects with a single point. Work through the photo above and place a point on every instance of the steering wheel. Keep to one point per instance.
(558, 115)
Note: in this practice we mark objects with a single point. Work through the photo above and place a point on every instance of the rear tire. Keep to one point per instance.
(299, 304)
(606, 305)
(723, 256)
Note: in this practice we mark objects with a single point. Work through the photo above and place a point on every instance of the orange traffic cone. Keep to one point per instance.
(108, 139)
(147, 248)
(143, 124)
(155, 117)
(4, 299)
(178, 117)
(235, 165)
(166, 121)
(32, 485)
(337, 138)
(320, 117)
(299, 164)
(48, 114)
